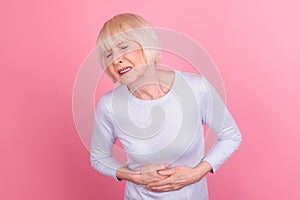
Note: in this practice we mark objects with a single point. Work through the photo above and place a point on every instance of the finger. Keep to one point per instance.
(159, 183)
(167, 172)
(154, 167)
(163, 188)
(163, 166)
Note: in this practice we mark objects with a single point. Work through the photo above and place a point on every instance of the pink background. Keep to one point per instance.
(255, 45)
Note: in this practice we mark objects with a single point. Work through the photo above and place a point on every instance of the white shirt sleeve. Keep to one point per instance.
(217, 117)
(103, 139)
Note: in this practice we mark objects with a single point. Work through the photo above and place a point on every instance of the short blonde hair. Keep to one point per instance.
(129, 27)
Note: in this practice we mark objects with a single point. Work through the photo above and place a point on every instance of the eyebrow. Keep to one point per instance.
(118, 44)
(121, 43)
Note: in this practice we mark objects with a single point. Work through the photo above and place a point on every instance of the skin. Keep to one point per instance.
(122, 55)
(143, 81)
(147, 82)
(179, 177)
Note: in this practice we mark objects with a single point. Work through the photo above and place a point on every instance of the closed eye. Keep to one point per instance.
(124, 47)
(108, 55)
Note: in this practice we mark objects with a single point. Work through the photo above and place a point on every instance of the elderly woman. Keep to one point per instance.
(158, 116)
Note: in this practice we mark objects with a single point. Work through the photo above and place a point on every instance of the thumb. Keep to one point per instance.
(163, 166)
(167, 172)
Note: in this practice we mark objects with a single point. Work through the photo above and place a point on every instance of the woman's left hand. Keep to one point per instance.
(179, 177)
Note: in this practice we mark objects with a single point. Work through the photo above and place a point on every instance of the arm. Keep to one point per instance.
(102, 141)
(101, 158)
(217, 117)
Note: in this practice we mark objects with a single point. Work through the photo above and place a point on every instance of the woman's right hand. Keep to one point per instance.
(148, 173)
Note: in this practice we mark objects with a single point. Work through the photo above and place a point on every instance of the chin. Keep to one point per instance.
(129, 78)
(126, 81)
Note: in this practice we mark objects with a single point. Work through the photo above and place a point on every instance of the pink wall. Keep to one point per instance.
(255, 45)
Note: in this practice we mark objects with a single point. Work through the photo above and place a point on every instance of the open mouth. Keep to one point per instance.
(124, 70)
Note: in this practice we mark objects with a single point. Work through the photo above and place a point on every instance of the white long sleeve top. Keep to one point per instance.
(164, 130)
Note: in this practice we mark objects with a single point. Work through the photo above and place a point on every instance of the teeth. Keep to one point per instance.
(125, 70)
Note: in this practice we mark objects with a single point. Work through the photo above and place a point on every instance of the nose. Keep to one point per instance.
(118, 60)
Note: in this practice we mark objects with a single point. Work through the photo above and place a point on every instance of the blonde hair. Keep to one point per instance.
(129, 27)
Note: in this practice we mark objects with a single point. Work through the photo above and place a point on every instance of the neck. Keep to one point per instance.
(152, 85)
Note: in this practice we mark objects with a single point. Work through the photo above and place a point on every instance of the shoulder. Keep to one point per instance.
(198, 83)
(193, 79)
(105, 101)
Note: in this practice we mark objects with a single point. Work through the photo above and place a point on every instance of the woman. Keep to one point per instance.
(157, 115)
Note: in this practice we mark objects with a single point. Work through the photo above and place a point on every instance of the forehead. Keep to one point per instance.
(107, 42)
(112, 33)
(116, 32)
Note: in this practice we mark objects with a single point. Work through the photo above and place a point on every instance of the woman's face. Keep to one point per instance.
(126, 62)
